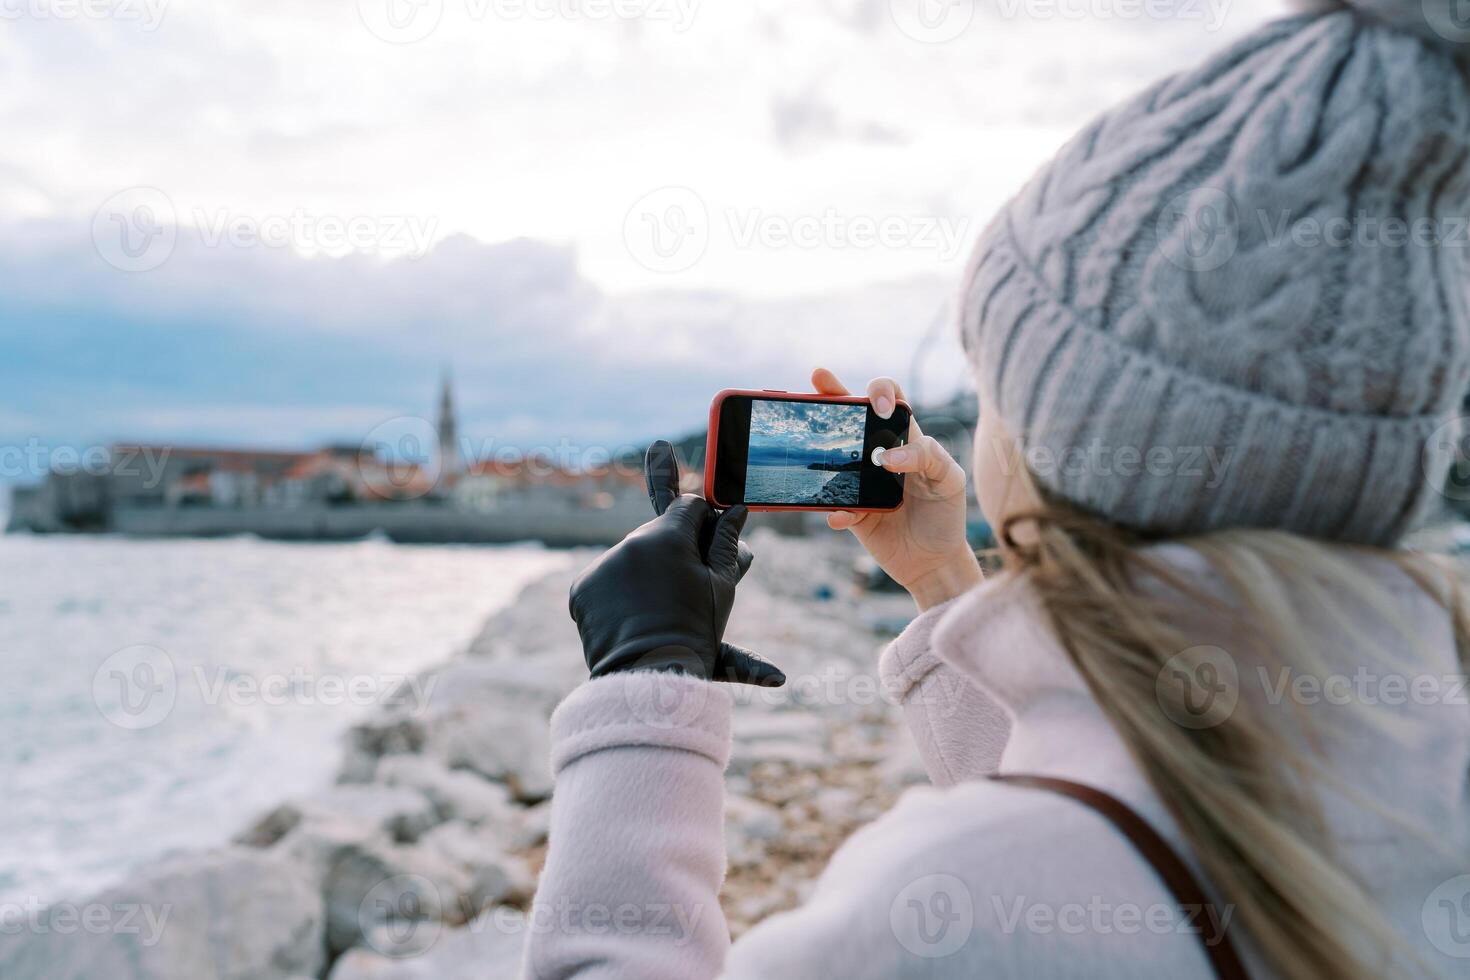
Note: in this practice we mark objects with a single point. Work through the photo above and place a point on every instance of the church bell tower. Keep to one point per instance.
(450, 463)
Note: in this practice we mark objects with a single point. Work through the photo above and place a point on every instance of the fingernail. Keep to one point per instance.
(896, 457)
(883, 405)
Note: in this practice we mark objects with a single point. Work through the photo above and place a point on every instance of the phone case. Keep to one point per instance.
(711, 445)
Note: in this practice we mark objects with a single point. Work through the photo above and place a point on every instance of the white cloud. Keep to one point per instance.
(503, 125)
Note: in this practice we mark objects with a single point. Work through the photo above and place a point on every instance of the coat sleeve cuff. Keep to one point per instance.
(910, 657)
(656, 709)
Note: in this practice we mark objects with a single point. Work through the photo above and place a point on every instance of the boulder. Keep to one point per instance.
(496, 876)
(389, 895)
(233, 914)
(401, 812)
(455, 794)
(488, 947)
(501, 743)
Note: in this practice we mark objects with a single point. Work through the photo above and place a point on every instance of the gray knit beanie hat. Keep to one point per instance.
(1242, 299)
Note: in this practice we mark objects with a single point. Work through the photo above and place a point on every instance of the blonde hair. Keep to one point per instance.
(1239, 793)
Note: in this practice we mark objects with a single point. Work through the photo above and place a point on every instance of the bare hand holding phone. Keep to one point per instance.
(922, 546)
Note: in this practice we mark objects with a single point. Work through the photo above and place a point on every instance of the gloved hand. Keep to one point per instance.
(660, 599)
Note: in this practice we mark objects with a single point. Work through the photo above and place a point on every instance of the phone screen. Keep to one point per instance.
(783, 452)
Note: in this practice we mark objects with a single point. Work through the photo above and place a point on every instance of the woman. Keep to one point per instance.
(1214, 397)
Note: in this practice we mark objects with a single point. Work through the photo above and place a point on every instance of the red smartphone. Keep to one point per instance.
(776, 450)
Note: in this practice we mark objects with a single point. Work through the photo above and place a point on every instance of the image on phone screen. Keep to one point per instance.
(805, 453)
(782, 451)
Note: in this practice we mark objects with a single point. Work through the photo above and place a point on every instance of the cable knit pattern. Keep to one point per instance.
(1220, 305)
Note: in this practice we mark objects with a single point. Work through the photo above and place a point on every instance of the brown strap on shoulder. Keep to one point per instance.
(1175, 873)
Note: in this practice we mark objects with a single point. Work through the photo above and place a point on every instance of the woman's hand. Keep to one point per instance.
(659, 599)
(921, 545)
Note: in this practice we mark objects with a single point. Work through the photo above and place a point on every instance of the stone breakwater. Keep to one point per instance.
(421, 861)
(841, 490)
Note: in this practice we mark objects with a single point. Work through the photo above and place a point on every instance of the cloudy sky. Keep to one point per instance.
(272, 222)
(805, 428)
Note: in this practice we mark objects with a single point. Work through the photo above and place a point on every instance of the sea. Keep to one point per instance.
(780, 484)
(159, 694)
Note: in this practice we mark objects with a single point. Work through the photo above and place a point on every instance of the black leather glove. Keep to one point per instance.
(660, 599)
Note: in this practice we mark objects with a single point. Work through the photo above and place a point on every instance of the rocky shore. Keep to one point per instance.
(842, 489)
(421, 861)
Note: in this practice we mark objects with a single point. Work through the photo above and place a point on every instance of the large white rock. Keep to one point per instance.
(489, 948)
(234, 914)
(376, 884)
(496, 875)
(401, 812)
(456, 794)
(501, 742)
